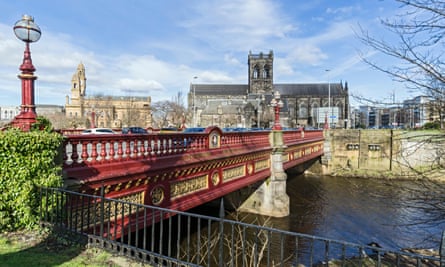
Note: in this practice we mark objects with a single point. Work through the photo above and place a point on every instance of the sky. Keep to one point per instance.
(157, 48)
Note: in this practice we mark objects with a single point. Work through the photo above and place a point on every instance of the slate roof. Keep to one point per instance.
(302, 89)
(311, 89)
(220, 89)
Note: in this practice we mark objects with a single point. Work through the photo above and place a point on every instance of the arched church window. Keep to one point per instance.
(75, 85)
(315, 110)
(256, 72)
(266, 72)
(302, 111)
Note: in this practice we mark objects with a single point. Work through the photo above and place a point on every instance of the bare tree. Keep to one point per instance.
(418, 53)
(169, 113)
(419, 64)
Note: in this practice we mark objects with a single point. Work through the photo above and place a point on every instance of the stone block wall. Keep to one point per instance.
(386, 152)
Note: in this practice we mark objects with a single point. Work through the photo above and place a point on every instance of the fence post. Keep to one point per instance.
(442, 250)
(102, 210)
(221, 233)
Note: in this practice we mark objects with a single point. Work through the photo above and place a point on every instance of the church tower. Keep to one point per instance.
(260, 73)
(78, 83)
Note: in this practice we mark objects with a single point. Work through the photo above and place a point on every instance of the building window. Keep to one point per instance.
(302, 111)
(256, 72)
(266, 72)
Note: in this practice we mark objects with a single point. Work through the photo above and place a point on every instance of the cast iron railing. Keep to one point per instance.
(162, 237)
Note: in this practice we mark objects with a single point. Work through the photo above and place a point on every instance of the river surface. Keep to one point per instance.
(362, 211)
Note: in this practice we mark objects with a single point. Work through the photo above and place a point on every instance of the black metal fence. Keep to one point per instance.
(162, 237)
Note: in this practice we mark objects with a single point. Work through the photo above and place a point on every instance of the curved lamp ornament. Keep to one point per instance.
(27, 31)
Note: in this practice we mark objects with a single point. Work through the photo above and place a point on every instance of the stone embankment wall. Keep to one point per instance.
(381, 152)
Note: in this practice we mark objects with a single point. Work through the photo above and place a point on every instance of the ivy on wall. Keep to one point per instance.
(28, 160)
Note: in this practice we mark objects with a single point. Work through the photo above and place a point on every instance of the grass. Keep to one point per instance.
(44, 248)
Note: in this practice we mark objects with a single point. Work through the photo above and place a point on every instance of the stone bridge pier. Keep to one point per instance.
(271, 199)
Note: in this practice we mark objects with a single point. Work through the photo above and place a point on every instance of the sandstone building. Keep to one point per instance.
(248, 105)
(103, 110)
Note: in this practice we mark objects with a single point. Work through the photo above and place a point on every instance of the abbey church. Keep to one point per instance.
(248, 105)
(102, 110)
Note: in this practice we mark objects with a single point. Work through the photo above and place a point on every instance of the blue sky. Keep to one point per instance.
(141, 47)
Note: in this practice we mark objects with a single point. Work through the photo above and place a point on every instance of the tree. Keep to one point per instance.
(419, 64)
(418, 53)
(169, 113)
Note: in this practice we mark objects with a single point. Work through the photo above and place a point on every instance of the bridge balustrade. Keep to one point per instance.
(95, 149)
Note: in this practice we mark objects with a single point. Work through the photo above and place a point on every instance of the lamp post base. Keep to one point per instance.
(24, 120)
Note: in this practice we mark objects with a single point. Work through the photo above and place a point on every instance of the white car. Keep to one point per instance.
(98, 131)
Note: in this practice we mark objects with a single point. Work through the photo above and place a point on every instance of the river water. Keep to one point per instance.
(390, 213)
(395, 214)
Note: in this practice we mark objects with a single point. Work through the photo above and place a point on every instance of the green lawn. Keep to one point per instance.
(45, 249)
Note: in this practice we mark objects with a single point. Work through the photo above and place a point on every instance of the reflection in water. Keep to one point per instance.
(359, 211)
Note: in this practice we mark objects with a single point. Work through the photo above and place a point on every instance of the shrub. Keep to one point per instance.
(28, 161)
(432, 125)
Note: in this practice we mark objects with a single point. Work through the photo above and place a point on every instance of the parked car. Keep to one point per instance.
(134, 130)
(169, 130)
(98, 131)
(194, 130)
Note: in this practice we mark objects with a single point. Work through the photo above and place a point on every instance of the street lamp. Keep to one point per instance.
(259, 100)
(27, 31)
(329, 101)
(277, 104)
(194, 103)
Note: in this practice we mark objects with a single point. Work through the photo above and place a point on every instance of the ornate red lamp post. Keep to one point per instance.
(27, 31)
(277, 104)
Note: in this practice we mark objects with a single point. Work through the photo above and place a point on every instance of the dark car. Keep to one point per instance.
(194, 130)
(134, 130)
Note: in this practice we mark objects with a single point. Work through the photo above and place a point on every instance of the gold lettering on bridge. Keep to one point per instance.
(183, 188)
(233, 173)
(261, 165)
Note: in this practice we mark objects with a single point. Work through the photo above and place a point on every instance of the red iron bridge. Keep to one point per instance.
(180, 171)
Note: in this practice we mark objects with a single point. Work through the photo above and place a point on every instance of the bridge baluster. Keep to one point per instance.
(120, 151)
(197, 143)
(94, 154)
(158, 146)
(103, 151)
(84, 151)
(135, 148)
(127, 149)
(150, 144)
(165, 143)
(64, 153)
(74, 154)
(111, 152)
(142, 149)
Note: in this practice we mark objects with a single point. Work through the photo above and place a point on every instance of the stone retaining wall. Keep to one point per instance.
(382, 151)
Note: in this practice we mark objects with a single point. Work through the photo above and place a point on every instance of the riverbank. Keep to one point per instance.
(437, 175)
